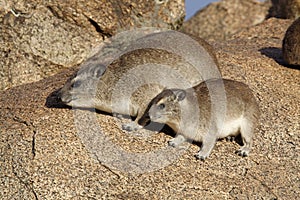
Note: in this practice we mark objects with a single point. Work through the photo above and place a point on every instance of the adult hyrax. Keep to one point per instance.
(291, 44)
(204, 114)
(128, 84)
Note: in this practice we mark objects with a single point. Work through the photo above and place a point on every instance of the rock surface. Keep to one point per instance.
(42, 156)
(220, 20)
(40, 38)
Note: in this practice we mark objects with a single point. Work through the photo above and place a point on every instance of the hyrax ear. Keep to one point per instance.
(179, 94)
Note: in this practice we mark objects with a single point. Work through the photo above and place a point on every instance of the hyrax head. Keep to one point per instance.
(165, 107)
(80, 89)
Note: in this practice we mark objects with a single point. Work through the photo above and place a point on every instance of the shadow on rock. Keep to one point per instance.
(276, 54)
(53, 101)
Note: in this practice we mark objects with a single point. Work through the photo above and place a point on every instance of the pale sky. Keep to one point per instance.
(192, 6)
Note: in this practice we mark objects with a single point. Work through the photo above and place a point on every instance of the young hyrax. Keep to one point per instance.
(214, 109)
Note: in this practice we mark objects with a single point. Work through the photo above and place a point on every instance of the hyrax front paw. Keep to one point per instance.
(244, 151)
(175, 142)
(201, 155)
(132, 126)
(230, 138)
(119, 116)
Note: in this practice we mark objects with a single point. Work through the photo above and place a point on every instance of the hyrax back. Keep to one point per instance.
(214, 109)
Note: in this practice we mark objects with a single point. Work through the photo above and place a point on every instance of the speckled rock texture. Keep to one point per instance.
(42, 157)
(291, 44)
(40, 38)
(221, 19)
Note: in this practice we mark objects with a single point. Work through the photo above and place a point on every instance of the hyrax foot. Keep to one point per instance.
(230, 138)
(201, 155)
(119, 116)
(132, 126)
(175, 142)
(244, 151)
(207, 146)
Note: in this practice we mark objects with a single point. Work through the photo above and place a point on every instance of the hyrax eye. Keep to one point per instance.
(76, 84)
(161, 106)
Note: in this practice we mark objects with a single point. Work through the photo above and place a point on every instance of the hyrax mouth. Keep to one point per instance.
(65, 97)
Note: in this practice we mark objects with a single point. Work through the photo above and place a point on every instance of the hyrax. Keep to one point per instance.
(214, 109)
(286, 9)
(128, 84)
(291, 44)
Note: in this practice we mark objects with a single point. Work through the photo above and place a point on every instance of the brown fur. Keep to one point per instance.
(204, 114)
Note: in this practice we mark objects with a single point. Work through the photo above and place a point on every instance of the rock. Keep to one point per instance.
(291, 44)
(286, 9)
(43, 157)
(220, 20)
(43, 37)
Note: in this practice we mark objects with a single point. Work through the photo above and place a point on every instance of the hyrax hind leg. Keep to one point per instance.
(246, 130)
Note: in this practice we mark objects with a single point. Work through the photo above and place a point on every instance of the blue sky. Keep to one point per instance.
(192, 6)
